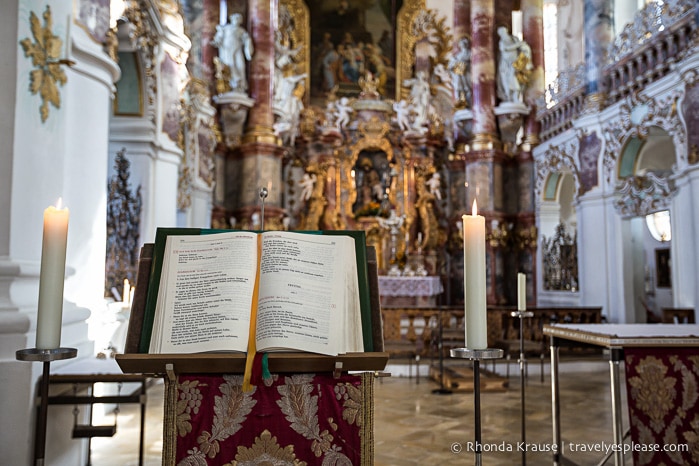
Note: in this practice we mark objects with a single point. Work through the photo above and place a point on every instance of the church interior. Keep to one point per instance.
(566, 126)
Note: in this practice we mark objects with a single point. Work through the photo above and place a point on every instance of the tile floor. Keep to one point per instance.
(414, 426)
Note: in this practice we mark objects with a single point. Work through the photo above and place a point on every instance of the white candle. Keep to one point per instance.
(126, 295)
(51, 277)
(521, 292)
(474, 281)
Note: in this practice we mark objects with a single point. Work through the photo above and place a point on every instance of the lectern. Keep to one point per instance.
(303, 407)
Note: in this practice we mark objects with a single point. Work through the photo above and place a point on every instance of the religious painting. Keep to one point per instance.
(662, 268)
(348, 39)
(590, 148)
(93, 16)
(690, 110)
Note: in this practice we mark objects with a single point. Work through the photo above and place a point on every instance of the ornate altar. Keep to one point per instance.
(373, 126)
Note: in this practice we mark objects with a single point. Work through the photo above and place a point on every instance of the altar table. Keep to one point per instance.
(663, 349)
(409, 291)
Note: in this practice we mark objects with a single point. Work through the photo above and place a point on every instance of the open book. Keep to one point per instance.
(289, 291)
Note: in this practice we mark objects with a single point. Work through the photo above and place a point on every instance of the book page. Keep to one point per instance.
(205, 293)
(303, 293)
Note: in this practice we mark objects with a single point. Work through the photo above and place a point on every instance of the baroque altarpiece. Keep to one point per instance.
(371, 134)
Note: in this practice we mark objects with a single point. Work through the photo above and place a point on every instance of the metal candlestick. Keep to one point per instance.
(476, 355)
(393, 224)
(263, 195)
(45, 356)
(522, 315)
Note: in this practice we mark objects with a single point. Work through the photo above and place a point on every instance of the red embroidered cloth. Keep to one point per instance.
(663, 399)
(294, 419)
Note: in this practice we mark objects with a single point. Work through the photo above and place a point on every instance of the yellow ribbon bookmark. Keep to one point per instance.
(252, 346)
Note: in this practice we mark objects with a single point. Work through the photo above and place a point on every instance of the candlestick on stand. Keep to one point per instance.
(264, 192)
(50, 313)
(393, 224)
(521, 313)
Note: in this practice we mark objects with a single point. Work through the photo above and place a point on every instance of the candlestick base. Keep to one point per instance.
(469, 353)
(45, 355)
(476, 355)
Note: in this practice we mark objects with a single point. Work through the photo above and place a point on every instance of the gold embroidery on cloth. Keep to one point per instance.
(301, 410)
(188, 402)
(692, 439)
(266, 451)
(352, 402)
(654, 393)
(230, 411)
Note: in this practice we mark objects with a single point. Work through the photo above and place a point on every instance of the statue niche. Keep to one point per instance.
(374, 177)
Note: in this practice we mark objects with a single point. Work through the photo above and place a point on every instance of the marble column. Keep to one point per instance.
(462, 19)
(257, 163)
(533, 34)
(599, 33)
(262, 17)
(483, 75)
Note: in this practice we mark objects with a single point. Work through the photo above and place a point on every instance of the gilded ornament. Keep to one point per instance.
(266, 450)
(416, 23)
(45, 52)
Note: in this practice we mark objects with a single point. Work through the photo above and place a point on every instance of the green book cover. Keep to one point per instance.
(156, 272)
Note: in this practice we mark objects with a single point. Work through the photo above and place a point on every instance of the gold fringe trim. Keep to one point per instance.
(170, 423)
(367, 430)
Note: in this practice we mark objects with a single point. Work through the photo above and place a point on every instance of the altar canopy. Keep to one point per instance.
(302, 419)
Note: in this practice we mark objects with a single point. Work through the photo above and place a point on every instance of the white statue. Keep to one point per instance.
(515, 61)
(402, 110)
(460, 68)
(434, 184)
(308, 182)
(342, 112)
(420, 98)
(234, 48)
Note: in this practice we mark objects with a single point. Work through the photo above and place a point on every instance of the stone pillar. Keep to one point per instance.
(262, 18)
(599, 33)
(483, 75)
(462, 19)
(257, 162)
(533, 34)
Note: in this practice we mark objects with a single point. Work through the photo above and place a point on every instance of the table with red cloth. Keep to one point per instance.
(661, 363)
(295, 419)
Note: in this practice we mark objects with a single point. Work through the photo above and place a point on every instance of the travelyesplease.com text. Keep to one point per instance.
(599, 447)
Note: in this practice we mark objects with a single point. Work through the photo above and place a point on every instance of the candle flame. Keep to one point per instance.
(59, 203)
(474, 209)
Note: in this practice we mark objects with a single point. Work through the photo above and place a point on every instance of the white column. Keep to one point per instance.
(39, 162)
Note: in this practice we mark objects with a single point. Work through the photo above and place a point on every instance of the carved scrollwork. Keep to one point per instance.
(648, 23)
(636, 116)
(641, 195)
(558, 159)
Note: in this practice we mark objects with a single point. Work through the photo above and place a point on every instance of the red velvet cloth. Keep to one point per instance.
(298, 419)
(663, 400)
